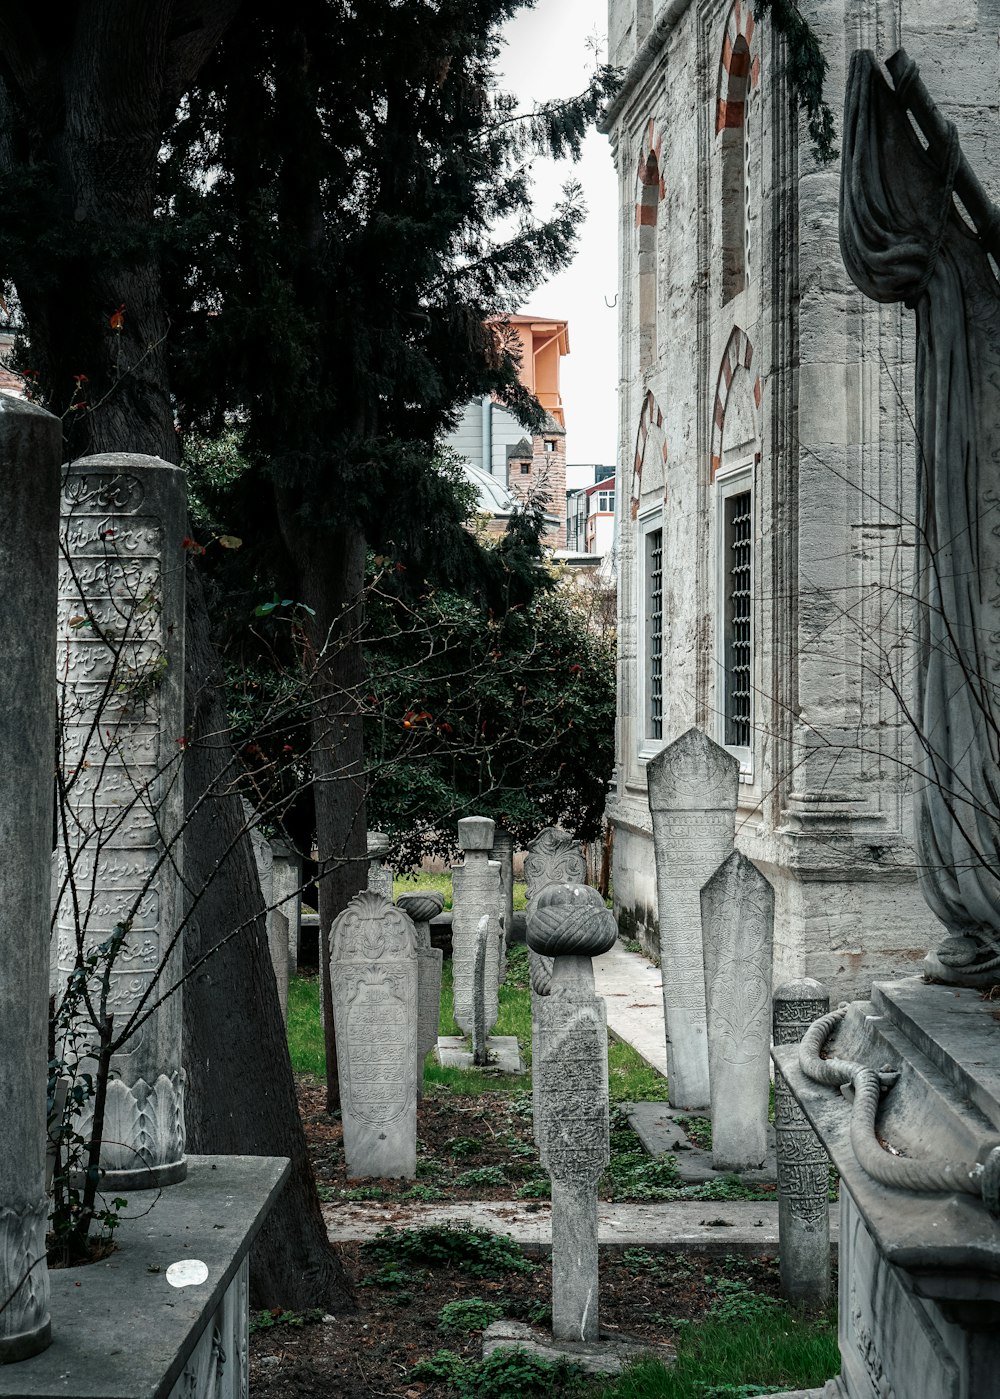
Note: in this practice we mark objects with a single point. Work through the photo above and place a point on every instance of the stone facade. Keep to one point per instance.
(765, 472)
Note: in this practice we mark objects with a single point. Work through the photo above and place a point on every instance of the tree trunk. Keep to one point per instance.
(241, 1090)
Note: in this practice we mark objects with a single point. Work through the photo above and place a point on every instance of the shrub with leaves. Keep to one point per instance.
(469, 1314)
(474, 1251)
(505, 1374)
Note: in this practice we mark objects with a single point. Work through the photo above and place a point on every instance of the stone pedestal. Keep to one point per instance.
(803, 1165)
(475, 892)
(919, 1268)
(421, 908)
(120, 675)
(373, 966)
(30, 449)
(122, 1331)
(693, 790)
(737, 915)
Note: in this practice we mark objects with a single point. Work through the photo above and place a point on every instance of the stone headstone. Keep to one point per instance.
(570, 924)
(421, 908)
(693, 789)
(554, 857)
(503, 855)
(120, 676)
(379, 873)
(480, 1033)
(803, 1165)
(475, 892)
(30, 450)
(373, 966)
(288, 897)
(738, 921)
(276, 925)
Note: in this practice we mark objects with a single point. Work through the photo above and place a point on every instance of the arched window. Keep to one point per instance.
(648, 197)
(648, 501)
(739, 75)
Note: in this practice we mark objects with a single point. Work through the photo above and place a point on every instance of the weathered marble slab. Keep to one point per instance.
(738, 922)
(475, 892)
(421, 908)
(374, 976)
(693, 789)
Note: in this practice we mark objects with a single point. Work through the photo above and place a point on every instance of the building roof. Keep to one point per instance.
(492, 496)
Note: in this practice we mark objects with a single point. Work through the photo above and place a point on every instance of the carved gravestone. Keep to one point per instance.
(480, 1034)
(275, 922)
(379, 873)
(693, 788)
(288, 897)
(554, 857)
(475, 892)
(503, 855)
(120, 679)
(738, 920)
(373, 966)
(30, 450)
(803, 1165)
(421, 908)
(570, 924)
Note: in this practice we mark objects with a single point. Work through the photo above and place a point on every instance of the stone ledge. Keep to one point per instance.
(658, 1127)
(452, 1052)
(608, 1356)
(119, 1330)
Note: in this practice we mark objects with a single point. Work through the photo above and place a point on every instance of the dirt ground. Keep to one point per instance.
(398, 1323)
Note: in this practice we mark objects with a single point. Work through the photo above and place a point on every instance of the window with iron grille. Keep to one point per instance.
(737, 582)
(654, 633)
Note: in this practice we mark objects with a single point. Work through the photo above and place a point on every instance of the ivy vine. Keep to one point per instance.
(805, 70)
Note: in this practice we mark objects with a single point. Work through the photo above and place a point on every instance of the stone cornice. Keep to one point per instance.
(643, 61)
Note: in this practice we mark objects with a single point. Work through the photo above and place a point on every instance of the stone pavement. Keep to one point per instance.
(698, 1225)
(633, 990)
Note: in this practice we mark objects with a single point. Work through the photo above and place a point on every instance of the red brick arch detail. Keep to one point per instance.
(650, 416)
(739, 351)
(651, 144)
(739, 70)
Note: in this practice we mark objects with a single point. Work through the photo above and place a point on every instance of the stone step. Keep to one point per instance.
(697, 1226)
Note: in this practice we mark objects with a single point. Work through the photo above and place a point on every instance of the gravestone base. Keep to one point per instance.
(504, 1053)
(919, 1271)
(608, 1356)
(658, 1127)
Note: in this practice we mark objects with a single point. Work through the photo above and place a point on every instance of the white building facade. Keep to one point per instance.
(765, 478)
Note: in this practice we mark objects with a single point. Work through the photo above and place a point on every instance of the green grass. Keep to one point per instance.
(720, 1359)
(305, 1031)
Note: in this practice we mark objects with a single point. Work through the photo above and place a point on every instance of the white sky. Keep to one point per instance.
(547, 56)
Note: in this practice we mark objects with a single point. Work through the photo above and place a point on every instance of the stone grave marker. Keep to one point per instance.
(373, 964)
(421, 908)
(288, 896)
(570, 924)
(693, 789)
(503, 855)
(275, 922)
(120, 687)
(803, 1165)
(554, 857)
(475, 891)
(30, 451)
(379, 873)
(738, 920)
(480, 1034)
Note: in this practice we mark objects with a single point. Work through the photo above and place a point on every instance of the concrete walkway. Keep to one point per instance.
(632, 989)
(698, 1225)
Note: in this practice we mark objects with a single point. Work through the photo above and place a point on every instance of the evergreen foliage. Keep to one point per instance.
(805, 72)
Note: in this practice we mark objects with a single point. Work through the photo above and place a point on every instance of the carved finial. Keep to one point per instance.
(378, 845)
(570, 920)
(421, 907)
(476, 833)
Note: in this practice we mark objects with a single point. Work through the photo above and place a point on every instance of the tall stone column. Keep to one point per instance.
(420, 909)
(803, 1165)
(693, 789)
(288, 893)
(120, 673)
(503, 854)
(30, 451)
(570, 924)
(475, 891)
